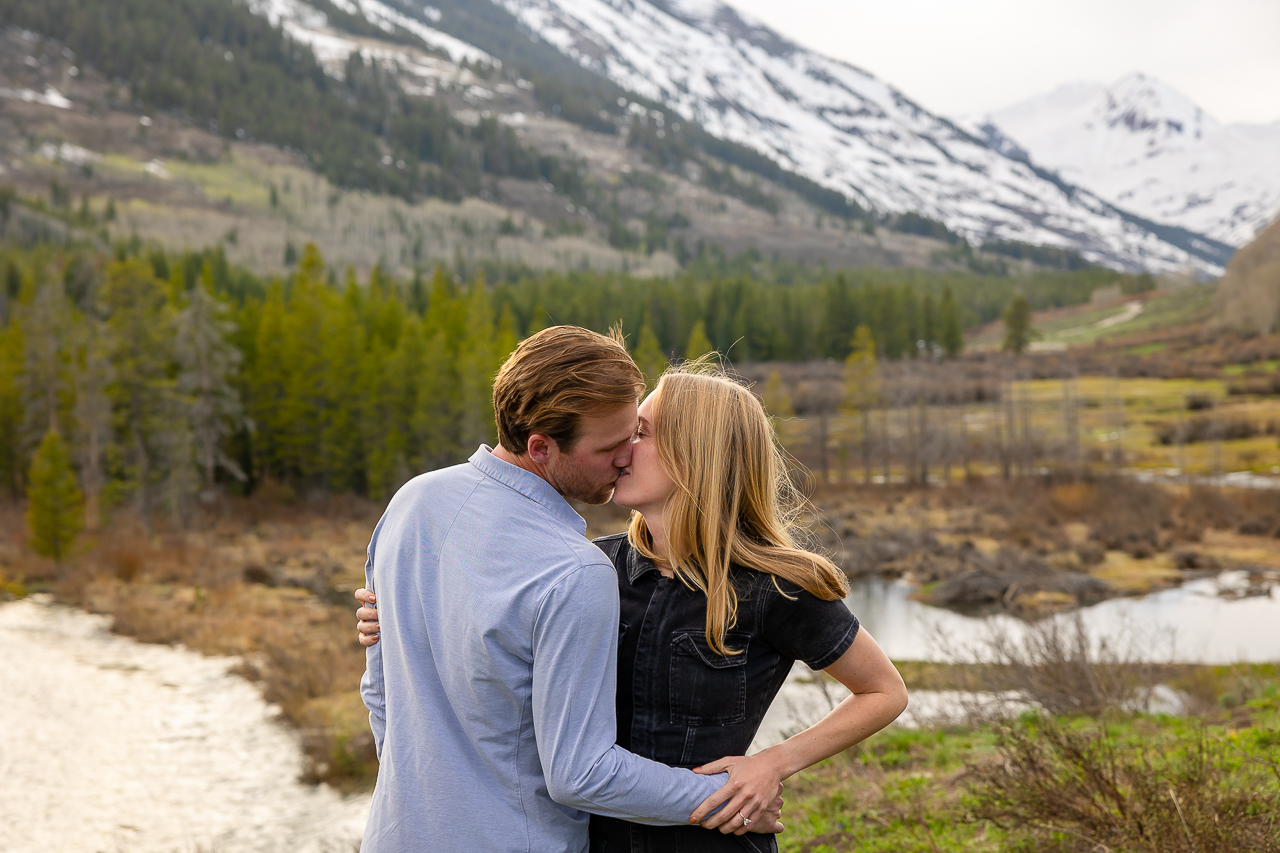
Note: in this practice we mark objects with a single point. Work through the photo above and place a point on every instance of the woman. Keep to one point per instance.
(717, 602)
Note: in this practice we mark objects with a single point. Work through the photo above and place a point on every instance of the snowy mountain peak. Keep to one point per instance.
(834, 124)
(1147, 148)
(713, 16)
(1145, 105)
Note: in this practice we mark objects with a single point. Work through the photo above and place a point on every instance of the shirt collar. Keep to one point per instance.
(638, 565)
(530, 485)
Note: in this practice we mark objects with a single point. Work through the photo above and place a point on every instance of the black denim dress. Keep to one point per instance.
(684, 705)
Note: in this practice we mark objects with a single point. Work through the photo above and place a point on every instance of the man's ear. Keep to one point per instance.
(540, 448)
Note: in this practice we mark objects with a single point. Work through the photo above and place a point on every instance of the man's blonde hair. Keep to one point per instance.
(733, 501)
(557, 377)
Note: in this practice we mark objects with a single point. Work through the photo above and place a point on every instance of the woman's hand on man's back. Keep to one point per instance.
(367, 629)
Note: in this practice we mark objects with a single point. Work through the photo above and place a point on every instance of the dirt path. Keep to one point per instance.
(1131, 310)
(107, 744)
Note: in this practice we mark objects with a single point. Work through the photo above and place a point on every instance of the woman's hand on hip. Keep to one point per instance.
(752, 793)
(367, 628)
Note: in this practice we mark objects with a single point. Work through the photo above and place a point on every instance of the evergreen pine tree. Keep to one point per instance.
(1017, 325)
(342, 394)
(140, 347)
(46, 319)
(929, 320)
(93, 414)
(268, 382)
(838, 318)
(699, 345)
(384, 422)
(477, 363)
(301, 418)
(436, 418)
(206, 364)
(777, 402)
(861, 378)
(649, 355)
(55, 507)
(11, 349)
(506, 340)
(862, 389)
(950, 335)
(537, 320)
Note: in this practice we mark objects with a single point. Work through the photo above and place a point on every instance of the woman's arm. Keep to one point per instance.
(879, 696)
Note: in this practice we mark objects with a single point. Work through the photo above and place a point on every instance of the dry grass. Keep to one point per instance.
(1057, 539)
(264, 581)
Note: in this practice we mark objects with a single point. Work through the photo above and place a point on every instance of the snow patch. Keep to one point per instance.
(51, 97)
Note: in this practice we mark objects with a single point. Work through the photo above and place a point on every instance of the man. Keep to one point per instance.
(491, 693)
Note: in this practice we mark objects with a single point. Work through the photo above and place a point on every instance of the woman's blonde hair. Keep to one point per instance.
(733, 501)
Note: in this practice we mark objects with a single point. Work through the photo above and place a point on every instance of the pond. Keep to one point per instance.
(1206, 620)
(1202, 621)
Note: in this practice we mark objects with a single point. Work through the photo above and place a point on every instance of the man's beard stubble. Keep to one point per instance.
(570, 483)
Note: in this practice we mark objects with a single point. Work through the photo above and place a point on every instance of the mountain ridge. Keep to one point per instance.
(1147, 148)
(835, 124)
(408, 82)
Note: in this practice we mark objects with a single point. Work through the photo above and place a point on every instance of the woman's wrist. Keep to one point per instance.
(779, 759)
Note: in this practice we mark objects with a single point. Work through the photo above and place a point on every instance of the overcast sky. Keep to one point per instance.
(969, 56)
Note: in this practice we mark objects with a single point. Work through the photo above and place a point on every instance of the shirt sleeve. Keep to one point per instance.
(575, 651)
(804, 627)
(372, 685)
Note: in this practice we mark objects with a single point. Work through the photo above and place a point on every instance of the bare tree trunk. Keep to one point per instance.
(1009, 434)
(1217, 447)
(1117, 419)
(822, 442)
(1028, 443)
(1180, 436)
(922, 422)
(945, 431)
(866, 446)
(1071, 425)
(886, 455)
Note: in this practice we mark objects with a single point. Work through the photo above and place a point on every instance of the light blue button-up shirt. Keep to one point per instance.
(491, 693)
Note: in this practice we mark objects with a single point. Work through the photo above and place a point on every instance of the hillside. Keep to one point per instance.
(414, 136)
(459, 186)
(1249, 294)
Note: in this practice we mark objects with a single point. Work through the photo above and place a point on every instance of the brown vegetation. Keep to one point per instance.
(1037, 545)
(1249, 294)
(265, 581)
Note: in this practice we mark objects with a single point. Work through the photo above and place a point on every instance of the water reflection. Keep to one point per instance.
(1193, 623)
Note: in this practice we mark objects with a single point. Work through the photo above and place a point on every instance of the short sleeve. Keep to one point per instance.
(803, 627)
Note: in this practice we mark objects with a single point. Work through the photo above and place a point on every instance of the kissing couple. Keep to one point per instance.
(530, 690)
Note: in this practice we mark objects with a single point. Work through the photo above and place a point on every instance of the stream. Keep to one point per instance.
(112, 745)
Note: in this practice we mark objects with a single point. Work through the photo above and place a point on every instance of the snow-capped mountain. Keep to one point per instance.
(834, 124)
(1145, 147)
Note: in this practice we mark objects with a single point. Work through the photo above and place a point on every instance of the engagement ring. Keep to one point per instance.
(746, 821)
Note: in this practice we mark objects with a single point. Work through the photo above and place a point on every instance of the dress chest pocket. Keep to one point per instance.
(708, 689)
